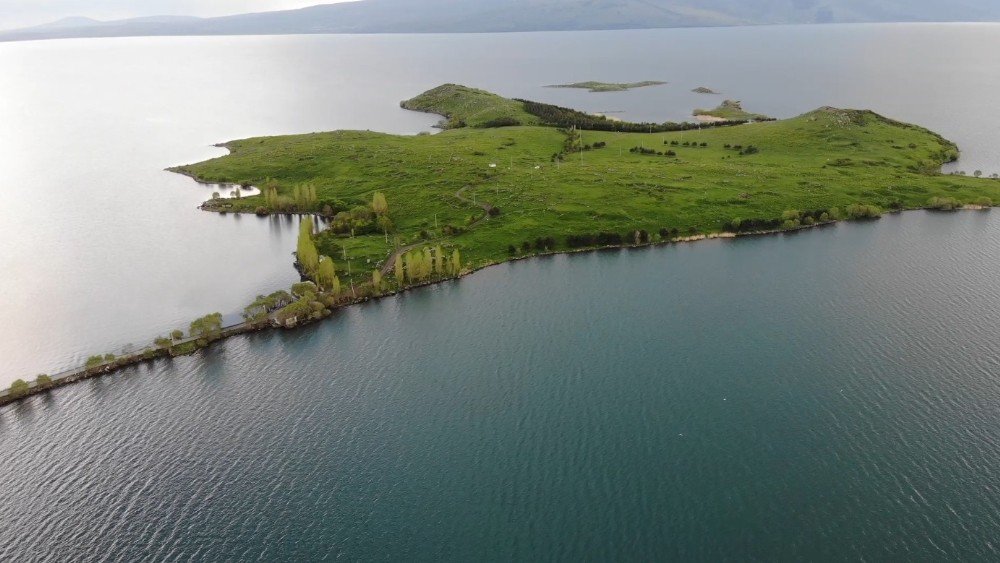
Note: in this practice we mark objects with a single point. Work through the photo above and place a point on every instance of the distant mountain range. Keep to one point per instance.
(454, 16)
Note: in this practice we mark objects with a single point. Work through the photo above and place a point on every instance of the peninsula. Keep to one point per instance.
(509, 179)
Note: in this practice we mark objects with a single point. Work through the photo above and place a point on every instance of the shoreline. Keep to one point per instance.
(153, 353)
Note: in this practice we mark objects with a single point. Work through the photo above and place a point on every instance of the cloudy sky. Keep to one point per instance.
(21, 13)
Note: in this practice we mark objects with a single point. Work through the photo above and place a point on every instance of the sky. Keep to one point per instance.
(23, 13)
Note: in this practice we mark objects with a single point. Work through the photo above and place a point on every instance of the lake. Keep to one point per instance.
(826, 394)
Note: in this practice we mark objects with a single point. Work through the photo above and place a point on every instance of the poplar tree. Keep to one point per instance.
(377, 280)
(428, 262)
(398, 269)
(326, 272)
(456, 262)
(439, 260)
(336, 285)
(379, 205)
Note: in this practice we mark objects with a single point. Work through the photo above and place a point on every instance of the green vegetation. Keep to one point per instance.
(594, 86)
(732, 110)
(19, 388)
(43, 380)
(470, 107)
(497, 193)
(704, 90)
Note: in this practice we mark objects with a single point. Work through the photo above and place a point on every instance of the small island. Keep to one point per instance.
(594, 86)
(704, 90)
(509, 179)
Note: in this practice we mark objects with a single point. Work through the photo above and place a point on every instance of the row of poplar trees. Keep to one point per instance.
(422, 265)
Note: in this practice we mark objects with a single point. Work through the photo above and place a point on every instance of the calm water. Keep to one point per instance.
(830, 394)
(102, 248)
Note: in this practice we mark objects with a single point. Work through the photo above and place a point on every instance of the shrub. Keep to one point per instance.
(19, 388)
(94, 361)
(177, 334)
(790, 224)
(511, 249)
(43, 380)
(859, 211)
(943, 203)
(983, 202)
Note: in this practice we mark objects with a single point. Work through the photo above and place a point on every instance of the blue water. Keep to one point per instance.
(830, 394)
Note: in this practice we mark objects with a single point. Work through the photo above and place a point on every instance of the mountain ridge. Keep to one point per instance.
(483, 16)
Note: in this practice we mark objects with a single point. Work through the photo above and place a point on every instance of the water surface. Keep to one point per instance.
(825, 395)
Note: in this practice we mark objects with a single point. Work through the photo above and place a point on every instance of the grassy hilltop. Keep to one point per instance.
(497, 192)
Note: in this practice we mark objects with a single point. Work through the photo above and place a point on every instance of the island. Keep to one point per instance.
(508, 179)
(594, 86)
(729, 110)
(704, 90)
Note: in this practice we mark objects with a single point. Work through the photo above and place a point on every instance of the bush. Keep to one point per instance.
(983, 202)
(19, 388)
(94, 361)
(943, 203)
(43, 380)
(859, 211)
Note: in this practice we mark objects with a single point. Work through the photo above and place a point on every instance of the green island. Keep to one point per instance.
(509, 179)
(595, 86)
(731, 110)
(704, 90)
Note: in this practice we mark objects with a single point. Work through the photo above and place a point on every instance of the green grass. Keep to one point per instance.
(594, 86)
(826, 159)
(464, 106)
(731, 110)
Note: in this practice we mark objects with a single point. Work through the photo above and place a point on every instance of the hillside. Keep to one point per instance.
(447, 16)
(497, 193)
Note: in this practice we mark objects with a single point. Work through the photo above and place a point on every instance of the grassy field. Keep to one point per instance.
(594, 86)
(679, 183)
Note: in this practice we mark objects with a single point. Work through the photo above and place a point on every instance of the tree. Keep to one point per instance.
(456, 262)
(43, 380)
(19, 388)
(439, 260)
(306, 251)
(208, 327)
(377, 280)
(177, 334)
(978, 173)
(379, 205)
(398, 269)
(162, 342)
(335, 286)
(325, 273)
(427, 262)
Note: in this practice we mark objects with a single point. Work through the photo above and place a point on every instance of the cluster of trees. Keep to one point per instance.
(425, 264)
(652, 152)
(305, 250)
(322, 269)
(749, 149)
(565, 117)
(206, 329)
(685, 144)
(541, 244)
(599, 239)
(304, 198)
(264, 305)
(363, 219)
(20, 388)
